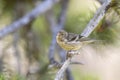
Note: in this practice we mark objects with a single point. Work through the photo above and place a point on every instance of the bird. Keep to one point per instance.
(71, 41)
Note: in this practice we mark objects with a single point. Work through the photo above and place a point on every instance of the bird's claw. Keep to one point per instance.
(72, 52)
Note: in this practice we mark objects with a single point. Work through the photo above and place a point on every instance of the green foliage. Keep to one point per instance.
(77, 23)
(15, 77)
(18, 77)
(42, 29)
(9, 5)
(78, 75)
(108, 36)
(90, 77)
(2, 77)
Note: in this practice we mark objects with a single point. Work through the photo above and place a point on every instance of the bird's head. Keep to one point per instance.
(62, 35)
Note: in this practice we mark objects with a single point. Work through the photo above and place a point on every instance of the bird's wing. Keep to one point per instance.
(72, 37)
(87, 40)
(74, 43)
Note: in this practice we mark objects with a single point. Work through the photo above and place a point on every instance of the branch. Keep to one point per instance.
(99, 15)
(62, 69)
(40, 9)
(62, 18)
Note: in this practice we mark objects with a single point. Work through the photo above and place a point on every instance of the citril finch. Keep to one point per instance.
(71, 41)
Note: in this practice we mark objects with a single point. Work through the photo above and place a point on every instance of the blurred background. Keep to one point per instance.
(25, 54)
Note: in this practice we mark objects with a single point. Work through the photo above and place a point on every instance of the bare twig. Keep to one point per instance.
(90, 27)
(40, 9)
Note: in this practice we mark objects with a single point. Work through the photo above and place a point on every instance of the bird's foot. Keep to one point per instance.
(72, 53)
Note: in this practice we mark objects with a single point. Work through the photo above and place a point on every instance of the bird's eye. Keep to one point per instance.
(61, 33)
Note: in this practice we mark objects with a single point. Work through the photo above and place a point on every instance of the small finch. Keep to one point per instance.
(71, 41)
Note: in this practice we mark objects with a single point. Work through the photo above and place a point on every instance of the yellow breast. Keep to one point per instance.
(69, 45)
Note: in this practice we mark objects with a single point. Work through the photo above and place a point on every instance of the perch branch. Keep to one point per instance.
(62, 69)
(99, 15)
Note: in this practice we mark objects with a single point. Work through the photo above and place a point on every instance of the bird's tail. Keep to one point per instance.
(88, 40)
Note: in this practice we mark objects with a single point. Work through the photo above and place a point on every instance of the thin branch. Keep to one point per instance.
(62, 55)
(50, 16)
(62, 17)
(40, 9)
(99, 15)
(62, 69)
